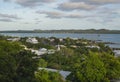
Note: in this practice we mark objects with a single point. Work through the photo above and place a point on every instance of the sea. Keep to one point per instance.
(113, 39)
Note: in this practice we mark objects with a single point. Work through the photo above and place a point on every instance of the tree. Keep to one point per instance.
(112, 65)
(26, 66)
(61, 59)
(47, 76)
(90, 69)
(16, 64)
(42, 63)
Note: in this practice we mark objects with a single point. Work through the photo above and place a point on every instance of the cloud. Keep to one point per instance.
(38, 22)
(52, 14)
(6, 20)
(98, 1)
(30, 3)
(60, 14)
(75, 6)
(103, 15)
(85, 4)
(9, 16)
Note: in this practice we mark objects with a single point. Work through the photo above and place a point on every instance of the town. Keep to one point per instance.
(65, 55)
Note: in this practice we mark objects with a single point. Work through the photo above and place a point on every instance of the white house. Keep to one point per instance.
(51, 51)
(32, 40)
(60, 39)
(93, 47)
(58, 47)
(117, 53)
(42, 51)
(38, 52)
(52, 40)
(13, 39)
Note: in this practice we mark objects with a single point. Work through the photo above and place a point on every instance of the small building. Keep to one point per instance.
(117, 53)
(39, 52)
(52, 40)
(84, 42)
(93, 47)
(42, 51)
(64, 74)
(58, 47)
(32, 40)
(60, 39)
(51, 51)
(73, 46)
(13, 39)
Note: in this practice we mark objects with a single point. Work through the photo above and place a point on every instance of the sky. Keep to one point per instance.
(59, 14)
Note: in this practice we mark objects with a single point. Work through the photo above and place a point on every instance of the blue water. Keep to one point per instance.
(114, 38)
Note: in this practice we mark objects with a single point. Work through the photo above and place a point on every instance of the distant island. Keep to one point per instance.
(91, 31)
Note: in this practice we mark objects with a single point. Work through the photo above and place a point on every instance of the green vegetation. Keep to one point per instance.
(16, 65)
(19, 65)
(47, 76)
(86, 64)
(90, 69)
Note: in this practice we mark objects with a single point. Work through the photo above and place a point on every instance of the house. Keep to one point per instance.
(42, 51)
(13, 39)
(64, 74)
(51, 51)
(58, 47)
(84, 42)
(73, 46)
(35, 51)
(93, 47)
(117, 53)
(32, 40)
(52, 40)
(60, 39)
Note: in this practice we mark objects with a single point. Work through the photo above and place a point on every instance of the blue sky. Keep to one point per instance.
(59, 14)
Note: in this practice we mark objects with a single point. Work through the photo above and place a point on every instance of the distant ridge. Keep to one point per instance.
(91, 31)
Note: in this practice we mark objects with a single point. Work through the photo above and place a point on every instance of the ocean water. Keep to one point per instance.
(114, 38)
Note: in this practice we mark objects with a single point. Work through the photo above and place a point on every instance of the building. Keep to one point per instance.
(117, 53)
(93, 47)
(64, 74)
(32, 40)
(58, 47)
(51, 51)
(60, 39)
(13, 39)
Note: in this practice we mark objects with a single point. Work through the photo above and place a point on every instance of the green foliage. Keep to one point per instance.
(112, 65)
(90, 69)
(43, 43)
(62, 59)
(16, 65)
(47, 76)
(26, 65)
(10, 47)
(42, 63)
(104, 48)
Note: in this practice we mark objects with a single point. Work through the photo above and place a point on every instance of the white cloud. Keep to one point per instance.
(60, 14)
(75, 6)
(8, 18)
(30, 3)
(98, 1)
